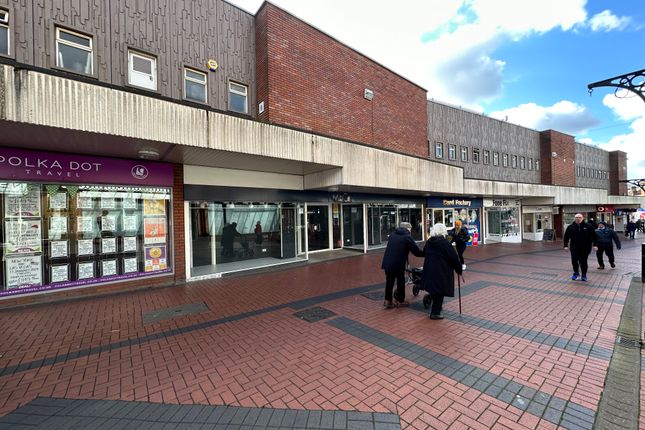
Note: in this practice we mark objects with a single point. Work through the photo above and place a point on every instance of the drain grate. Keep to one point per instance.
(314, 314)
(374, 295)
(628, 342)
(177, 311)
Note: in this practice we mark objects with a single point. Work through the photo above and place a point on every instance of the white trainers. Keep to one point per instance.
(463, 267)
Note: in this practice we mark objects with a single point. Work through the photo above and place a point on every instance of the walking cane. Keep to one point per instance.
(459, 277)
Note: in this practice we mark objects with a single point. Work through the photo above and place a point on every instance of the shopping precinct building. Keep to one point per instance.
(147, 145)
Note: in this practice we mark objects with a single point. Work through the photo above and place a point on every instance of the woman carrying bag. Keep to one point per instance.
(439, 265)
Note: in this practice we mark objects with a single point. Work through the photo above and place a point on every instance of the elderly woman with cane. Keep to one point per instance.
(441, 260)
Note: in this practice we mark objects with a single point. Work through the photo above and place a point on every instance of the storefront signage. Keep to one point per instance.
(453, 202)
(606, 208)
(24, 271)
(535, 209)
(27, 205)
(17, 164)
(22, 236)
(155, 258)
(502, 203)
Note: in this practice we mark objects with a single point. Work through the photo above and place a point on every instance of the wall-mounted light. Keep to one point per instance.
(368, 94)
(148, 154)
(554, 154)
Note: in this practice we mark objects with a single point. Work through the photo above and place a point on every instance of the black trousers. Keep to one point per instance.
(399, 276)
(460, 251)
(579, 260)
(437, 303)
(609, 250)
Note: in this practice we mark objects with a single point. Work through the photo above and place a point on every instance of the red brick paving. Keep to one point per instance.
(276, 360)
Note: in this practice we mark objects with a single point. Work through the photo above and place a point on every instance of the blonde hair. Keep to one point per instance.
(439, 230)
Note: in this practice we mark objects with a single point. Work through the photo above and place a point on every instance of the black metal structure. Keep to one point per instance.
(640, 183)
(634, 82)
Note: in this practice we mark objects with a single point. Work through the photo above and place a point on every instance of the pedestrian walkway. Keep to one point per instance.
(312, 347)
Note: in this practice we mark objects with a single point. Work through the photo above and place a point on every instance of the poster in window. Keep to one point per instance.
(60, 273)
(23, 271)
(108, 245)
(129, 244)
(108, 267)
(85, 247)
(155, 258)
(129, 203)
(154, 207)
(130, 265)
(154, 230)
(57, 226)
(58, 249)
(108, 202)
(58, 201)
(22, 236)
(83, 201)
(108, 223)
(27, 205)
(130, 223)
(85, 270)
(85, 224)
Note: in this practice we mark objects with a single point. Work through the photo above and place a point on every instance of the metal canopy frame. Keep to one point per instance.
(634, 82)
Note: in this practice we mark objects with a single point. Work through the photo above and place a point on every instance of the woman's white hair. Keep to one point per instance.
(439, 230)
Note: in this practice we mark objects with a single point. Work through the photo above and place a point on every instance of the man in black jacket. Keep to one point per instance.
(582, 237)
(605, 239)
(399, 245)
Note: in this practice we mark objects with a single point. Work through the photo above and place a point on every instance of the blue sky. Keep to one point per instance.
(525, 61)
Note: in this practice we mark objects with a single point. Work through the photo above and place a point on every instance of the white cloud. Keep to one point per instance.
(564, 116)
(607, 21)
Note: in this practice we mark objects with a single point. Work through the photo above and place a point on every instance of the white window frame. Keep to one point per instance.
(537, 165)
(476, 155)
(452, 151)
(89, 49)
(523, 163)
(530, 163)
(438, 150)
(486, 157)
(505, 160)
(495, 158)
(193, 80)
(231, 90)
(4, 22)
(136, 74)
(514, 161)
(464, 154)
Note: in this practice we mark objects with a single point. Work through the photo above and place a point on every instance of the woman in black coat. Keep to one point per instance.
(441, 260)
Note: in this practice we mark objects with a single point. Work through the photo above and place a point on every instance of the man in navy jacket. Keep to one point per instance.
(399, 245)
(582, 237)
(604, 238)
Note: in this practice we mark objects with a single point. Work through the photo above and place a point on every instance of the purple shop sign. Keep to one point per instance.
(22, 165)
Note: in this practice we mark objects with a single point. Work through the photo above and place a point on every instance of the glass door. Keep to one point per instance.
(353, 226)
(288, 228)
(318, 227)
(336, 226)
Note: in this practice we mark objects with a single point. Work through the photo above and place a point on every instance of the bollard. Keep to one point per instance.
(643, 263)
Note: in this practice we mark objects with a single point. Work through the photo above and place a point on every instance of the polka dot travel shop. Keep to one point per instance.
(447, 210)
(70, 221)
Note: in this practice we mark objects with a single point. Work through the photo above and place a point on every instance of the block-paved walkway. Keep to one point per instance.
(314, 344)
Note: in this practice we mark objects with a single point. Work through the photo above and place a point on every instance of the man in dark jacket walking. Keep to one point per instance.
(604, 238)
(582, 237)
(399, 245)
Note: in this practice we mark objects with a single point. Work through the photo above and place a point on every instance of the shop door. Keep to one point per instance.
(337, 241)
(288, 227)
(318, 227)
(353, 226)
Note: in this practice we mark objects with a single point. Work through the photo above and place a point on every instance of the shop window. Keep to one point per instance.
(195, 85)
(238, 97)
(74, 52)
(464, 154)
(142, 70)
(505, 160)
(438, 150)
(514, 161)
(475, 155)
(486, 156)
(495, 158)
(57, 236)
(4, 32)
(522, 163)
(452, 151)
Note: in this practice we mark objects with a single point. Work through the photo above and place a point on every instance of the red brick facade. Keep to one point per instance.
(558, 155)
(617, 172)
(310, 81)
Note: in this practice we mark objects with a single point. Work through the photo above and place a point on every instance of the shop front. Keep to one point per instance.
(569, 212)
(73, 221)
(447, 210)
(536, 220)
(502, 220)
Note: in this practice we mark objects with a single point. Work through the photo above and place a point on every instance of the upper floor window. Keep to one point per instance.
(578, 171)
(505, 160)
(530, 164)
(495, 158)
(522, 162)
(514, 161)
(452, 151)
(195, 85)
(4, 32)
(537, 164)
(475, 155)
(486, 156)
(238, 97)
(464, 154)
(142, 70)
(74, 52)
(438, 150)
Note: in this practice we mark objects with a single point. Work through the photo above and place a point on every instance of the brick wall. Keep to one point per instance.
(558, 169)
(313, 82)
(178, 223)
(617, 172)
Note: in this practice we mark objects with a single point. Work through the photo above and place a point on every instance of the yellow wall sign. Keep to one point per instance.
(212, 65)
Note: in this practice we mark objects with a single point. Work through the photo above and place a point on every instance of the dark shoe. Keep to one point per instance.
(612, 265)
(583, 278)
(388, 305)
(402, 304)
(436, 317)
(575, 276)
(601, 267)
